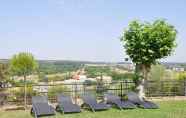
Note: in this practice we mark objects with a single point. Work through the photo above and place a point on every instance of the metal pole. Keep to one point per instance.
(75, 93)
(121, 94)
(25, 95)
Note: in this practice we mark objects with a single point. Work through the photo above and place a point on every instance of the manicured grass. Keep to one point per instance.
(168, 109)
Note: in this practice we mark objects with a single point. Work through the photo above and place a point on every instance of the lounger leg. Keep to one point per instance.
(92, 108)
(119, 107)
(35, 115)
(63, 112)
(89, 107)
(33, 111)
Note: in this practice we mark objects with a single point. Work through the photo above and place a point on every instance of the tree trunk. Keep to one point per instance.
(142, 71)
(141, 89)
(25, 93)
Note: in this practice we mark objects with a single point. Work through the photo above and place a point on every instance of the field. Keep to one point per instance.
(168, 109)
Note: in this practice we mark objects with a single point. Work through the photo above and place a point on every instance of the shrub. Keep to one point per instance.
(54, 90)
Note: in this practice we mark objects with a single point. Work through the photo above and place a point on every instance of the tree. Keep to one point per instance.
(23, 64)
(146, 43)
(3, 73)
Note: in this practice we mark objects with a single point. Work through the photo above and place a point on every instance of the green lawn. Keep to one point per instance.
(170, 109)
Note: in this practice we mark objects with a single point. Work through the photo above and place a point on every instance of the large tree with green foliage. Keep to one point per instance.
(23, 64)
(3, 71)
(146, 43)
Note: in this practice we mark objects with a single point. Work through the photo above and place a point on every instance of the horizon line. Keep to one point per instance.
(91, 61)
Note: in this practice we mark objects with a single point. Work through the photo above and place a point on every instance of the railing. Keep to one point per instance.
(15, 94)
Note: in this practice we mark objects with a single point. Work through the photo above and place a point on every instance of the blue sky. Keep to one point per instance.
(82, 29)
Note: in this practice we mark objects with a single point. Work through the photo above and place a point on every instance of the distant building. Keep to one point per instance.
(178, 69)
(105, 79)
(79, 77)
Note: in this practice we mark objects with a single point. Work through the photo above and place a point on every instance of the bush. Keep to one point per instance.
(166, 88)
(181, 75)
(54, 90)
(17, 93)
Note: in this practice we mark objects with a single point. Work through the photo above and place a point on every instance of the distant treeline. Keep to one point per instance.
(62, 66)
(59, 66)
(94, 71)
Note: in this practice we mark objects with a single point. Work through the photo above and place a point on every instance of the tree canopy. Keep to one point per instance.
(23, 64)
(147, 42)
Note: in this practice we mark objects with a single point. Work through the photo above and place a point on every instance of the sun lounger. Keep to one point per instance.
(66, 105)
(91, 102)
(134, 98)
(40, 107)
(116, 100)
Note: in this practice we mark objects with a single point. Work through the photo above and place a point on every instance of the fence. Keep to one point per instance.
(15, 94)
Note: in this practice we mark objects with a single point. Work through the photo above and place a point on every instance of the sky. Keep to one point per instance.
(82, 29)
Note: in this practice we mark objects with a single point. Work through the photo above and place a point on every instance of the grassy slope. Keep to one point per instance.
(171, 109)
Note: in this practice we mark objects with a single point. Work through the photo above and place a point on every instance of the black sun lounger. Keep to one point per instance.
(116, 100)
(91, 102)
(66, 105)
(134, 98)
(40, 107)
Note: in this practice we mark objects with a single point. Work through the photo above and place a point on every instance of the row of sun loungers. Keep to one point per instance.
(41, 106)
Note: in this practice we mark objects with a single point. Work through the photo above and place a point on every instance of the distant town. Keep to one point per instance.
(68, 72)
